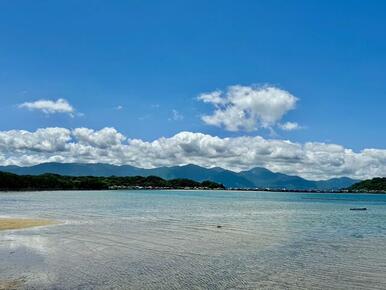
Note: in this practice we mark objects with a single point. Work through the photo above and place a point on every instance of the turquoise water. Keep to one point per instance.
(170, 240)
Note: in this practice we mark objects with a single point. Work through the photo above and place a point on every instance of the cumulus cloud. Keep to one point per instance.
(50, 106)
(214, 97)
(104, 138)
(311, 160)
(42, 140)
(290, 126)
(248, 108)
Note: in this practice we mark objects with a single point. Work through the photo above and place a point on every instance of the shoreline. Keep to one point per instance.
(201, 189)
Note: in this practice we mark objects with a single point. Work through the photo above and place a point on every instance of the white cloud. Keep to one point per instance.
(42, 140)
(119, 107)
(176, 116)
(105, 138)
(214, 97)
(311, 160)
(248, 108)
(50, 106)
(290, 126)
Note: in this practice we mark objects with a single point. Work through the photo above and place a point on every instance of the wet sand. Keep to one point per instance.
(11, 284)
(19, 223)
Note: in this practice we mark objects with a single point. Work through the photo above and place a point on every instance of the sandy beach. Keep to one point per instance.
(21, 223)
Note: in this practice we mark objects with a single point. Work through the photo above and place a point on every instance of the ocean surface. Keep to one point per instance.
(171, 240)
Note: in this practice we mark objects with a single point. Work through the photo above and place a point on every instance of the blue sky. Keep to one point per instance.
(154, 58)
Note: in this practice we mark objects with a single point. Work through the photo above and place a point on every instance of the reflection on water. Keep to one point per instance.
(170, 240)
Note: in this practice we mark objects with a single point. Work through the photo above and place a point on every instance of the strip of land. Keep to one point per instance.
(18, 223)
(14, 182)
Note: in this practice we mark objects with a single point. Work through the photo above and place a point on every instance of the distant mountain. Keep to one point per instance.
(256, 177)
(226, 177)
(75, 169)
(262, 177)
(342, 182)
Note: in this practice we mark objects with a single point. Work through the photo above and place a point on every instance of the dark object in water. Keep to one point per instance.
(219, 227)
(358, 208)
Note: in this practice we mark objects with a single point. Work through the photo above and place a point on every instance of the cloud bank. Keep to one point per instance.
(50, 106)
(311, 160)
(246, 108)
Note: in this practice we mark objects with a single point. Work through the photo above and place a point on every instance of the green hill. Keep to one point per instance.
(375, 184)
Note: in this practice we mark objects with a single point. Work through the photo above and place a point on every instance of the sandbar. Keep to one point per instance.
(22, 223)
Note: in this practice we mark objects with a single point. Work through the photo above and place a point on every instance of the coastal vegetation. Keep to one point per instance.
(377, 184)
(10, 181)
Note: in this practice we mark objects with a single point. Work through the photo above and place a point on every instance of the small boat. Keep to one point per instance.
(358, 208)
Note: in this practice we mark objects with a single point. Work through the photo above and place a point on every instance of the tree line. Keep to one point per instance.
(375, 184)
(48, 181)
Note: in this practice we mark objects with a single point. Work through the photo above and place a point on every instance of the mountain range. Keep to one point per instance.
(257, 177)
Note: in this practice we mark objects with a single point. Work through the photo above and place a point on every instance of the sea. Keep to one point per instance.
(194, 240)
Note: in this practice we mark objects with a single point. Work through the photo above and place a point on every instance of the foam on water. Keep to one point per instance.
(170, 240)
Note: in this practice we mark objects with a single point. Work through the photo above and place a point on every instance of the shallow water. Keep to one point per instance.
(170, 240)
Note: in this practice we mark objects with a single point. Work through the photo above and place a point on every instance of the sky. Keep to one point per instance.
(293, 86)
